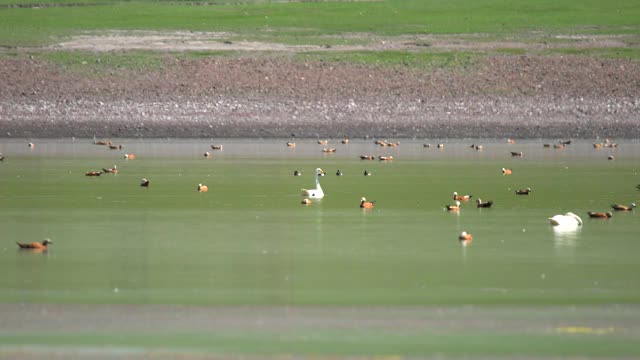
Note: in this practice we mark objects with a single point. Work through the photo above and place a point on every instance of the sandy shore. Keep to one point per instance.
(273, 96)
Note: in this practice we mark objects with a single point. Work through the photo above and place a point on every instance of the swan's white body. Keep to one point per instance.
(567, 220)
(316, 193)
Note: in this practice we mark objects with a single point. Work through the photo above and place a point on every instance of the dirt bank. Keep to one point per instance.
(274, 96)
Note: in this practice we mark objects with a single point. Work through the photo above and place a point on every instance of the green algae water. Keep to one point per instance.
(249, 241)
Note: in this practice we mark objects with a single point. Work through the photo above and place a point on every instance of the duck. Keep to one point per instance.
(523, 191)
(115, 147)
(367, 204)
(567, 220)
(440, 146)
(611, 157)
(31, 145)
(426, 145)
(455, 207)
(316, 193)
(461, 197)
(207, 155)
(465, 237)
(599, 214)
(339, 173)
(478, 147)
(297, 173)
(367, 157)
(345, 141)
(129, 156)
(484, 204)
(216, 147)
(546, 145)
(597, 146)
(1, 157)
(291, 144)
(93, 173)
(144, 183)
(35, 245)
(507, 171)
(564, 142)
(305, 201)
(367, 173)
(323, 142)
(559, 146)
(329, 150)
(385, 158)
(516, 153)
(618, 207)
(113, 170)
(203, 188)
(101, 142)
(511, 141)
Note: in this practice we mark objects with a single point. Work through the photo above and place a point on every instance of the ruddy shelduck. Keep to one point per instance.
(129, 156)
(523, 191)
(511, 141)
(115, 147)
(345, 141)
(329, 150)
(367, 157)
(35, 245)
(507, 171)
(618, 207)
(144, 183)
(385, 158)
(455, 207)
(465, 236)
(93, 173)
(367, 204)
(291, 144)
(600, 214)
(516, 153)
(203, 188)
(461, 197)
(216, 147)
(305, 201)
(323, 142)
(207, 155)
(32, 145)
(113, 170)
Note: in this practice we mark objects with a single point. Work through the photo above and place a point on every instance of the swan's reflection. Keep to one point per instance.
(566, 236)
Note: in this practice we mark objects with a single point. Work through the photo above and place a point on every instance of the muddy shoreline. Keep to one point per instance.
(273, 97)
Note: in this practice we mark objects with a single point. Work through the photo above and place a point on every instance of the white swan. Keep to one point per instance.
(316, 193)
(567, 220)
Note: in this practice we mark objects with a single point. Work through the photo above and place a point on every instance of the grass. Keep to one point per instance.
(32, 27)
(422, 60)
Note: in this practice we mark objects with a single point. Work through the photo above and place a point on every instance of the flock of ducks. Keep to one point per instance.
(567, 220)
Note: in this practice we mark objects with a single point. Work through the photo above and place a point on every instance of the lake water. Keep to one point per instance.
(249, 240)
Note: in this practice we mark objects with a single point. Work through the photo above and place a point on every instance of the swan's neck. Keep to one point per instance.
(317, 182)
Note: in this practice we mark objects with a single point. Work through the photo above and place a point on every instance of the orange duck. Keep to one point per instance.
(329, 150)
(618, 207)
(291, 144)
(455, 207)
(367, 157)
(461, 197)
(93, 173)
(216, 147)
(465, 238)
(129, 156)
(113, 170)
(35, 245)
(385, 158)
(599, 214)
(507, 171)
(203, 188)
(367, 204)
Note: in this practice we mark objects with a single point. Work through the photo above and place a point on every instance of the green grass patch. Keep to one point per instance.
(38, 26)
(93, 63)
(613, 52)
(511, 51)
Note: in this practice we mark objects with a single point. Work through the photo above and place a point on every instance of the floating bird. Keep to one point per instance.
(623, 207)
(484, 204)
(461, 197)
(305, 201)
(316, 193)
(523, 191)
(426, 145)
(380, 142)
(323, 142)
(291, 144)
(558, 146)
(455, 207)
(385, 158)
(611, 145)
(216, 147)
(567, 220)
(511, 141)
(113, 170)
(345, 141)
(129, 156)
(638, 187)
(367, 204)
(478, 147)
(564, 142)
(144, 183)
(93, 173)
(599, 214)
(330, 150)
(207, 155)
(35, 245)
(610, 157)
(465, 237)
(297, 173)
(115, 147)
(32, 145)
(1, 157)
(546, 145)
(339, 173)
(367, 157)
(440, 146)
(516, 153)
(367, 173)
(507, 171)
(597, 146)
(101, 142)
(203, 188)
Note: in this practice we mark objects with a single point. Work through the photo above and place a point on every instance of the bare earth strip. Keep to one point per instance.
(266, 93)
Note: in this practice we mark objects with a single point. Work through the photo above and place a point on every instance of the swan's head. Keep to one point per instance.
(319, 172)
